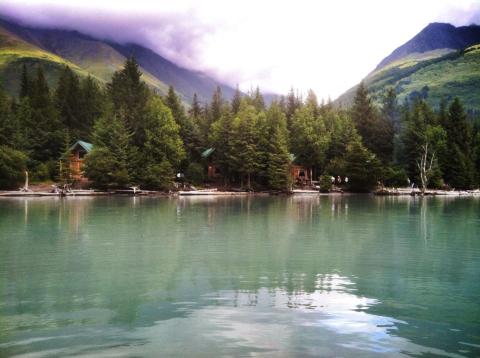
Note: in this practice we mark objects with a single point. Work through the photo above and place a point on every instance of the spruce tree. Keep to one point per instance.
(25, 83)
(245, 155)
(163, 150)
(92, 103)
(195, 110)
(221, 140)
(278, 158)
(291, 105)
(312, 102)
(189, 131)
(129, 95)
(46, 139)
(110, 161)
(309, 139)
(216, 105)
(457, 162)
(257, 100)
(236, 100)
(390, 109)
(13, 164)
(67, 101)
(361, 167)
(376, 131)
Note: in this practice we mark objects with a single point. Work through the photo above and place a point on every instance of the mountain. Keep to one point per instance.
(441, 61)
(55, 48)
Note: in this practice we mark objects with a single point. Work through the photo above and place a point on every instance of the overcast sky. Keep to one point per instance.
(325, 45)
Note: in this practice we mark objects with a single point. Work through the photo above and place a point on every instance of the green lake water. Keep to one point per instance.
(351, 276)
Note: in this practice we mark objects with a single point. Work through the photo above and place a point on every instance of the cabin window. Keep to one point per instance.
(81, 154)
(301, 174)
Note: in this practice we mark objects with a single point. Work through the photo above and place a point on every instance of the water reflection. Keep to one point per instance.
(291, 276)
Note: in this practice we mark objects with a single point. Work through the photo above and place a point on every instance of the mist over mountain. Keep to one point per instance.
(54, 48)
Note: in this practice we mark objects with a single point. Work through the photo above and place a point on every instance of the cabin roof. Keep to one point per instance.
(85, 145)
(207, 152)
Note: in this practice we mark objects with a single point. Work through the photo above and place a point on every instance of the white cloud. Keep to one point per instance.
(325, 45)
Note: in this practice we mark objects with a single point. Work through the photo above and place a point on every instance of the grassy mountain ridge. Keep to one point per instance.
(433, 74)
(54, 48)
(433, 37)
(14, 52)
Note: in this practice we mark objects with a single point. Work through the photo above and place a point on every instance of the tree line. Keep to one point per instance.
(140, 137)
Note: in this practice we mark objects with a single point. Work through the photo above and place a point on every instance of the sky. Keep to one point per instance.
(327, 46)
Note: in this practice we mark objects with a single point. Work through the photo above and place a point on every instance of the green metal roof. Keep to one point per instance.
(85, 145)
(207, 152)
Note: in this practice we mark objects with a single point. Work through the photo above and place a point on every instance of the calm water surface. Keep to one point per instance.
(352, 276)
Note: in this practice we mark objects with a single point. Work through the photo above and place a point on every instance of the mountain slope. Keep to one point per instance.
(433, 37)
(442, 61)
(99, 58)
(185, 81)
(14, 52)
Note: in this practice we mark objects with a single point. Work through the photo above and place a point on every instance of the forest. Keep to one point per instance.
(142, 138)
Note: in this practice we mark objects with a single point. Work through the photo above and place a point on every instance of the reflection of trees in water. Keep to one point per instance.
(132, 255)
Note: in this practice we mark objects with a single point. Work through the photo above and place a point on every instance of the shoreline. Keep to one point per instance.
(147, 193)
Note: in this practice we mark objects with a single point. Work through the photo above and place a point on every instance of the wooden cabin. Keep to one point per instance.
(301, 175)
(213, 172)
(77, 154)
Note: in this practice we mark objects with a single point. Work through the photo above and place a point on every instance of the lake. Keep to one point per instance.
(328, 276)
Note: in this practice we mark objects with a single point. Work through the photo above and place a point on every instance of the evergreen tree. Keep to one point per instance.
(221, 140)
(256, 100)
(109, 163)
(13, 164)
(67, 101)
(65, 172)
(27, 128)
(309, 139)
(245, 155)
(292, 104)
(457, 162)
(376, 131)
(46, 139)
(195, 110)
(92, 103)
(163, 150)
(477, 156)
(423, 139)
(342, 133)
(189, 132)
(129, 95)
(312, 103)
(236, 101)
(361, 167)
(6, 128)
(25, 83)
(278, 158)
(216, 105)
(390, 109)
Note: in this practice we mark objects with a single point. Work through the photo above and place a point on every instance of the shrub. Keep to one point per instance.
(325, 183)
(12, 167)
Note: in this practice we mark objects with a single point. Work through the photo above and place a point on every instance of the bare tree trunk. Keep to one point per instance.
(425, 165)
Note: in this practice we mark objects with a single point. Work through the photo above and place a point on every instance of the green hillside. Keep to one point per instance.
(84, 57)
(431, 75)
(15, 52)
